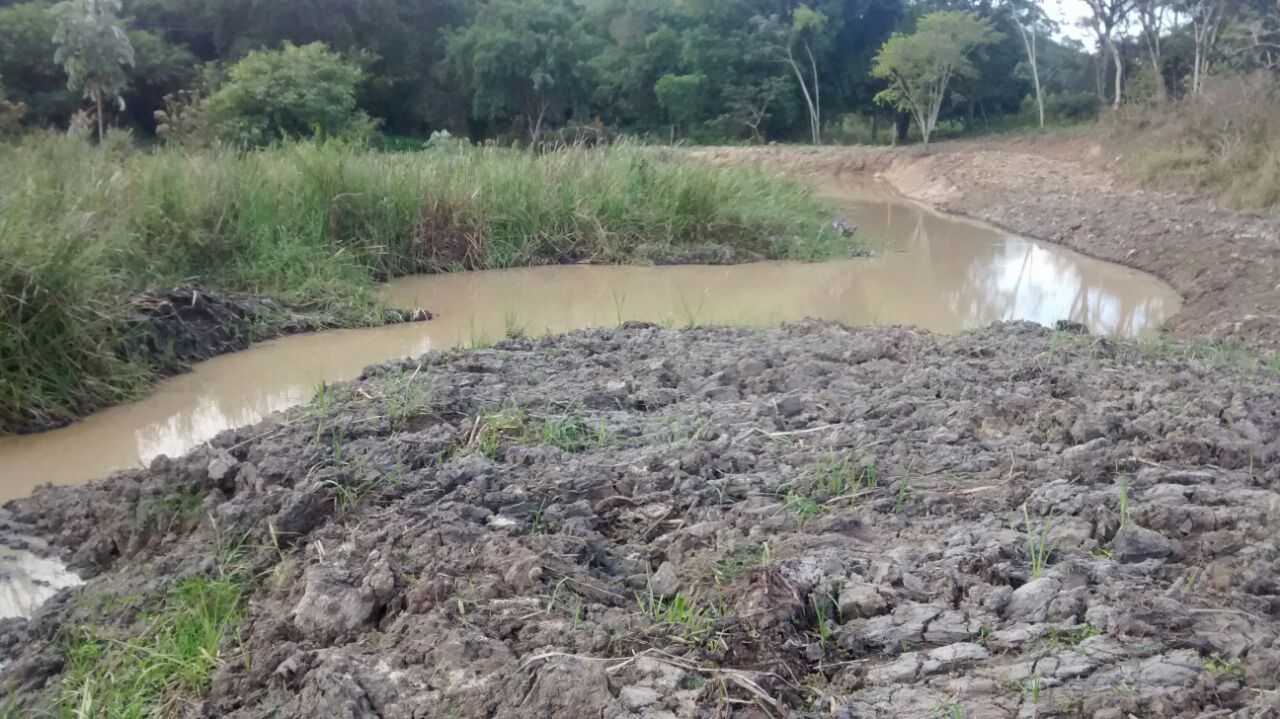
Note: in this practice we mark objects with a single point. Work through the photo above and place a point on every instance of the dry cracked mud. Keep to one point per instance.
(810, 521)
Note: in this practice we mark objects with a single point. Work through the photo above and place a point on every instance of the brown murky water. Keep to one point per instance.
(938, 272)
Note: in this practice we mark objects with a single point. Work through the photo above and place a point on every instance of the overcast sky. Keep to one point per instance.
(1068, 14)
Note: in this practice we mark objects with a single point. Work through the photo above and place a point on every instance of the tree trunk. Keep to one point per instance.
(817, 98)
(902, 125)
(1035, 79)
(1195, 70)
(1100, 70)
(97, 99)
(808, 98)
(1204, 27)
(535, 125)
(1157, 68)
(1115, 54)
(1151, 17)
(1035, 76)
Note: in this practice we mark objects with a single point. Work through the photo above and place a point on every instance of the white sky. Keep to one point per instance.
(1068, 13)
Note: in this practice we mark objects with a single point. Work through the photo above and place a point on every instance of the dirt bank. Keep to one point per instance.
(807, 521)
(1073, 191)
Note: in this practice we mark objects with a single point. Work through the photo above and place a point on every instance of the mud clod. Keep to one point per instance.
(812, 521)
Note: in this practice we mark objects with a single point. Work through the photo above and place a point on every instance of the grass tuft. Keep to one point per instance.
(157, 673)
(1039, 547)
(695, 619)
(510, 424)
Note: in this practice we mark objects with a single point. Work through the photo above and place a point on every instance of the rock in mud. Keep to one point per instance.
(1138, 544)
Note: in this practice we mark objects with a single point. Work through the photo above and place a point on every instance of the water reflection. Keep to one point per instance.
(937, 272)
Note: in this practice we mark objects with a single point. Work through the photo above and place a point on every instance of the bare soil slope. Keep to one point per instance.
(1072, 190)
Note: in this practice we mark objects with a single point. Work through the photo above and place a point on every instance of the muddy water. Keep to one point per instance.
(934, 271)
(26, 580)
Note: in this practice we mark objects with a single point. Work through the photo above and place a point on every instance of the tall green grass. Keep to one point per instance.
(84, 229)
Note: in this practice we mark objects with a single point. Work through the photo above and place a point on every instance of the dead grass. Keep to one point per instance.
(1225, 143)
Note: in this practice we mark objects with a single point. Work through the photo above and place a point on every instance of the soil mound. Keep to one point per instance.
(807, 521)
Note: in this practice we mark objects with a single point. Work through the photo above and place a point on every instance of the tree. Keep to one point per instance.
(1151, 16)
(681, 96)
(1105, 17)
(806, 32)
(1206, 19)
(751, 104)
(920, 66)
(159, 69)
(94, 49)
(520, 58)
(26, 48)
(292, 92)
(1032, 22)
(1256, 36)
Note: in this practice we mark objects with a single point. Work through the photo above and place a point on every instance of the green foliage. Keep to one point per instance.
(843, 480)
(1073, 106)
(510, 424)
(1073, 637)
(93, 49)
(919, 67)
(110, 673)
(693, 617)
(26, 63)
(519, 58)
(511, 69)
(739, 559)
(681, 96)
(159, 69)
(293, 92)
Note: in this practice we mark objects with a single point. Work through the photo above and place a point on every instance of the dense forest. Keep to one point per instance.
(699, 69)
(706, 70)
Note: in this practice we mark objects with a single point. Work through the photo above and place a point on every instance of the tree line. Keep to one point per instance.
(252, 71)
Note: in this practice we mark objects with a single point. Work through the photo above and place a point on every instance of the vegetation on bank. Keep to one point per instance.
(84, 229)
(1225, 142)
(110, 673)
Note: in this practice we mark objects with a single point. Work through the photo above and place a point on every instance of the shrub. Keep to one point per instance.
(293, 92)
(1073, 106)
(859, 129)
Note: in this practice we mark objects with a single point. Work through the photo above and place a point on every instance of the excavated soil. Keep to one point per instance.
(1074, 190)
(811, 521)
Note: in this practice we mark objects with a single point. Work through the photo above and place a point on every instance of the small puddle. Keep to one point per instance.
(938, 272)
(27, 580)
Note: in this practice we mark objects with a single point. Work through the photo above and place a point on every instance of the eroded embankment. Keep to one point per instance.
(812, 520)
(1073, 190)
